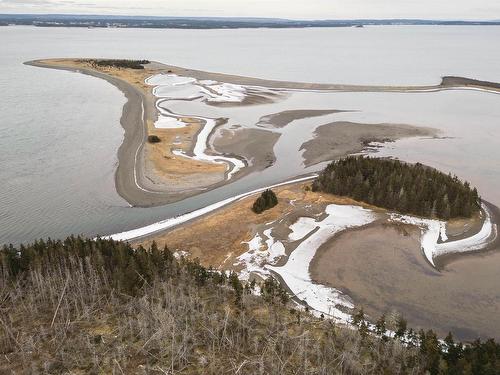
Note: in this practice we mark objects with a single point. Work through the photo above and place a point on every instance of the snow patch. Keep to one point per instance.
(432, 230)
(180, 254)
(224, 92)
(166, 122)
(257, 256)
(295, 272)
(301, 228)
(201, 146)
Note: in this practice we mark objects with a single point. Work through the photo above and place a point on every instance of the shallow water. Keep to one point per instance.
(59, 131)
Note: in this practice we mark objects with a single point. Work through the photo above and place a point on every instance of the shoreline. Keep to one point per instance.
(138, 109)
(148, 231)
(442, 261)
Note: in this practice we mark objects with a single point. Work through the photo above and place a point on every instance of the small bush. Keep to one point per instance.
(154, 139)
(266, 201)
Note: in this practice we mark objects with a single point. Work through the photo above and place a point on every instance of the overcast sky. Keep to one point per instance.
(298, 9)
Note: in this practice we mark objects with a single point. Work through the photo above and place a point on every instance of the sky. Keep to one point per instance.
(295, 9)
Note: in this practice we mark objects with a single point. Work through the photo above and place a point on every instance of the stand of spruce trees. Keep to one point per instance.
(407, 188)
(266, 201)
(118, 63)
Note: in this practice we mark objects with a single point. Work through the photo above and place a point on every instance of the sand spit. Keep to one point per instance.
(134, 177)
(281, 119)
(447, 82)
(340, 138)
(153, 174)
(148, 174)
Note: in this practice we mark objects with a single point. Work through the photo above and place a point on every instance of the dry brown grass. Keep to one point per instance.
(216, 239)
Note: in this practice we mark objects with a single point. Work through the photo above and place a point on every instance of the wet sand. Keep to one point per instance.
(385, 271)
(255, 145)
(340, 138)
(282, 119)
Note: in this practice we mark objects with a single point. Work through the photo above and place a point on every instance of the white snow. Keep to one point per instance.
(275, 248)
(174, 221)
(478, 241)
(430, 232)
(181, 254)
(433, 229)
(224, 92)
(442, 232)
(177, 87)
(201, 146)
(295, 272)
(301, 228)
(167, 122)
(166, 86)
(258, 255)
(168, 80)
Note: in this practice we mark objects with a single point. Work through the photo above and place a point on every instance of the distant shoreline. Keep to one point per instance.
(203, 23)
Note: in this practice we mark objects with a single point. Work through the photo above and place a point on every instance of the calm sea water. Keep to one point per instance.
(59, 131)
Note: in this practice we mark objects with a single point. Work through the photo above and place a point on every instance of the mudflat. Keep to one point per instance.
(340, 138)
(381, 267)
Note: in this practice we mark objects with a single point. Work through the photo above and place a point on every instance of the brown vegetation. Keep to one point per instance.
(98, 307)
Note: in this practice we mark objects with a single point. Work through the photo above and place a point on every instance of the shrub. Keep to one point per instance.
(154, 139)
(266, 201)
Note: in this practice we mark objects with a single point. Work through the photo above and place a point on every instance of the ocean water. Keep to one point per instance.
(59, 131)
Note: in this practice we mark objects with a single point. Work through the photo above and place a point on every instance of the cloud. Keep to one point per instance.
(300, 9)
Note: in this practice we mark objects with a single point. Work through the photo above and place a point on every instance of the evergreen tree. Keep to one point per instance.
(401, 326)
(265, 201)
(407, 188)
(380, 326)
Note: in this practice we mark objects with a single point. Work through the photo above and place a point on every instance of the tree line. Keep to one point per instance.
(439, 356)
(118, 63)
(395, 185)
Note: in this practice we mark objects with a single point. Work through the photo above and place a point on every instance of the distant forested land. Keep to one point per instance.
(85, 306)
(407, 188)
(71, 20)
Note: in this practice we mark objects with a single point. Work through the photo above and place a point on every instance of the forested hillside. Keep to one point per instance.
(83, 306)
(407, 188)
